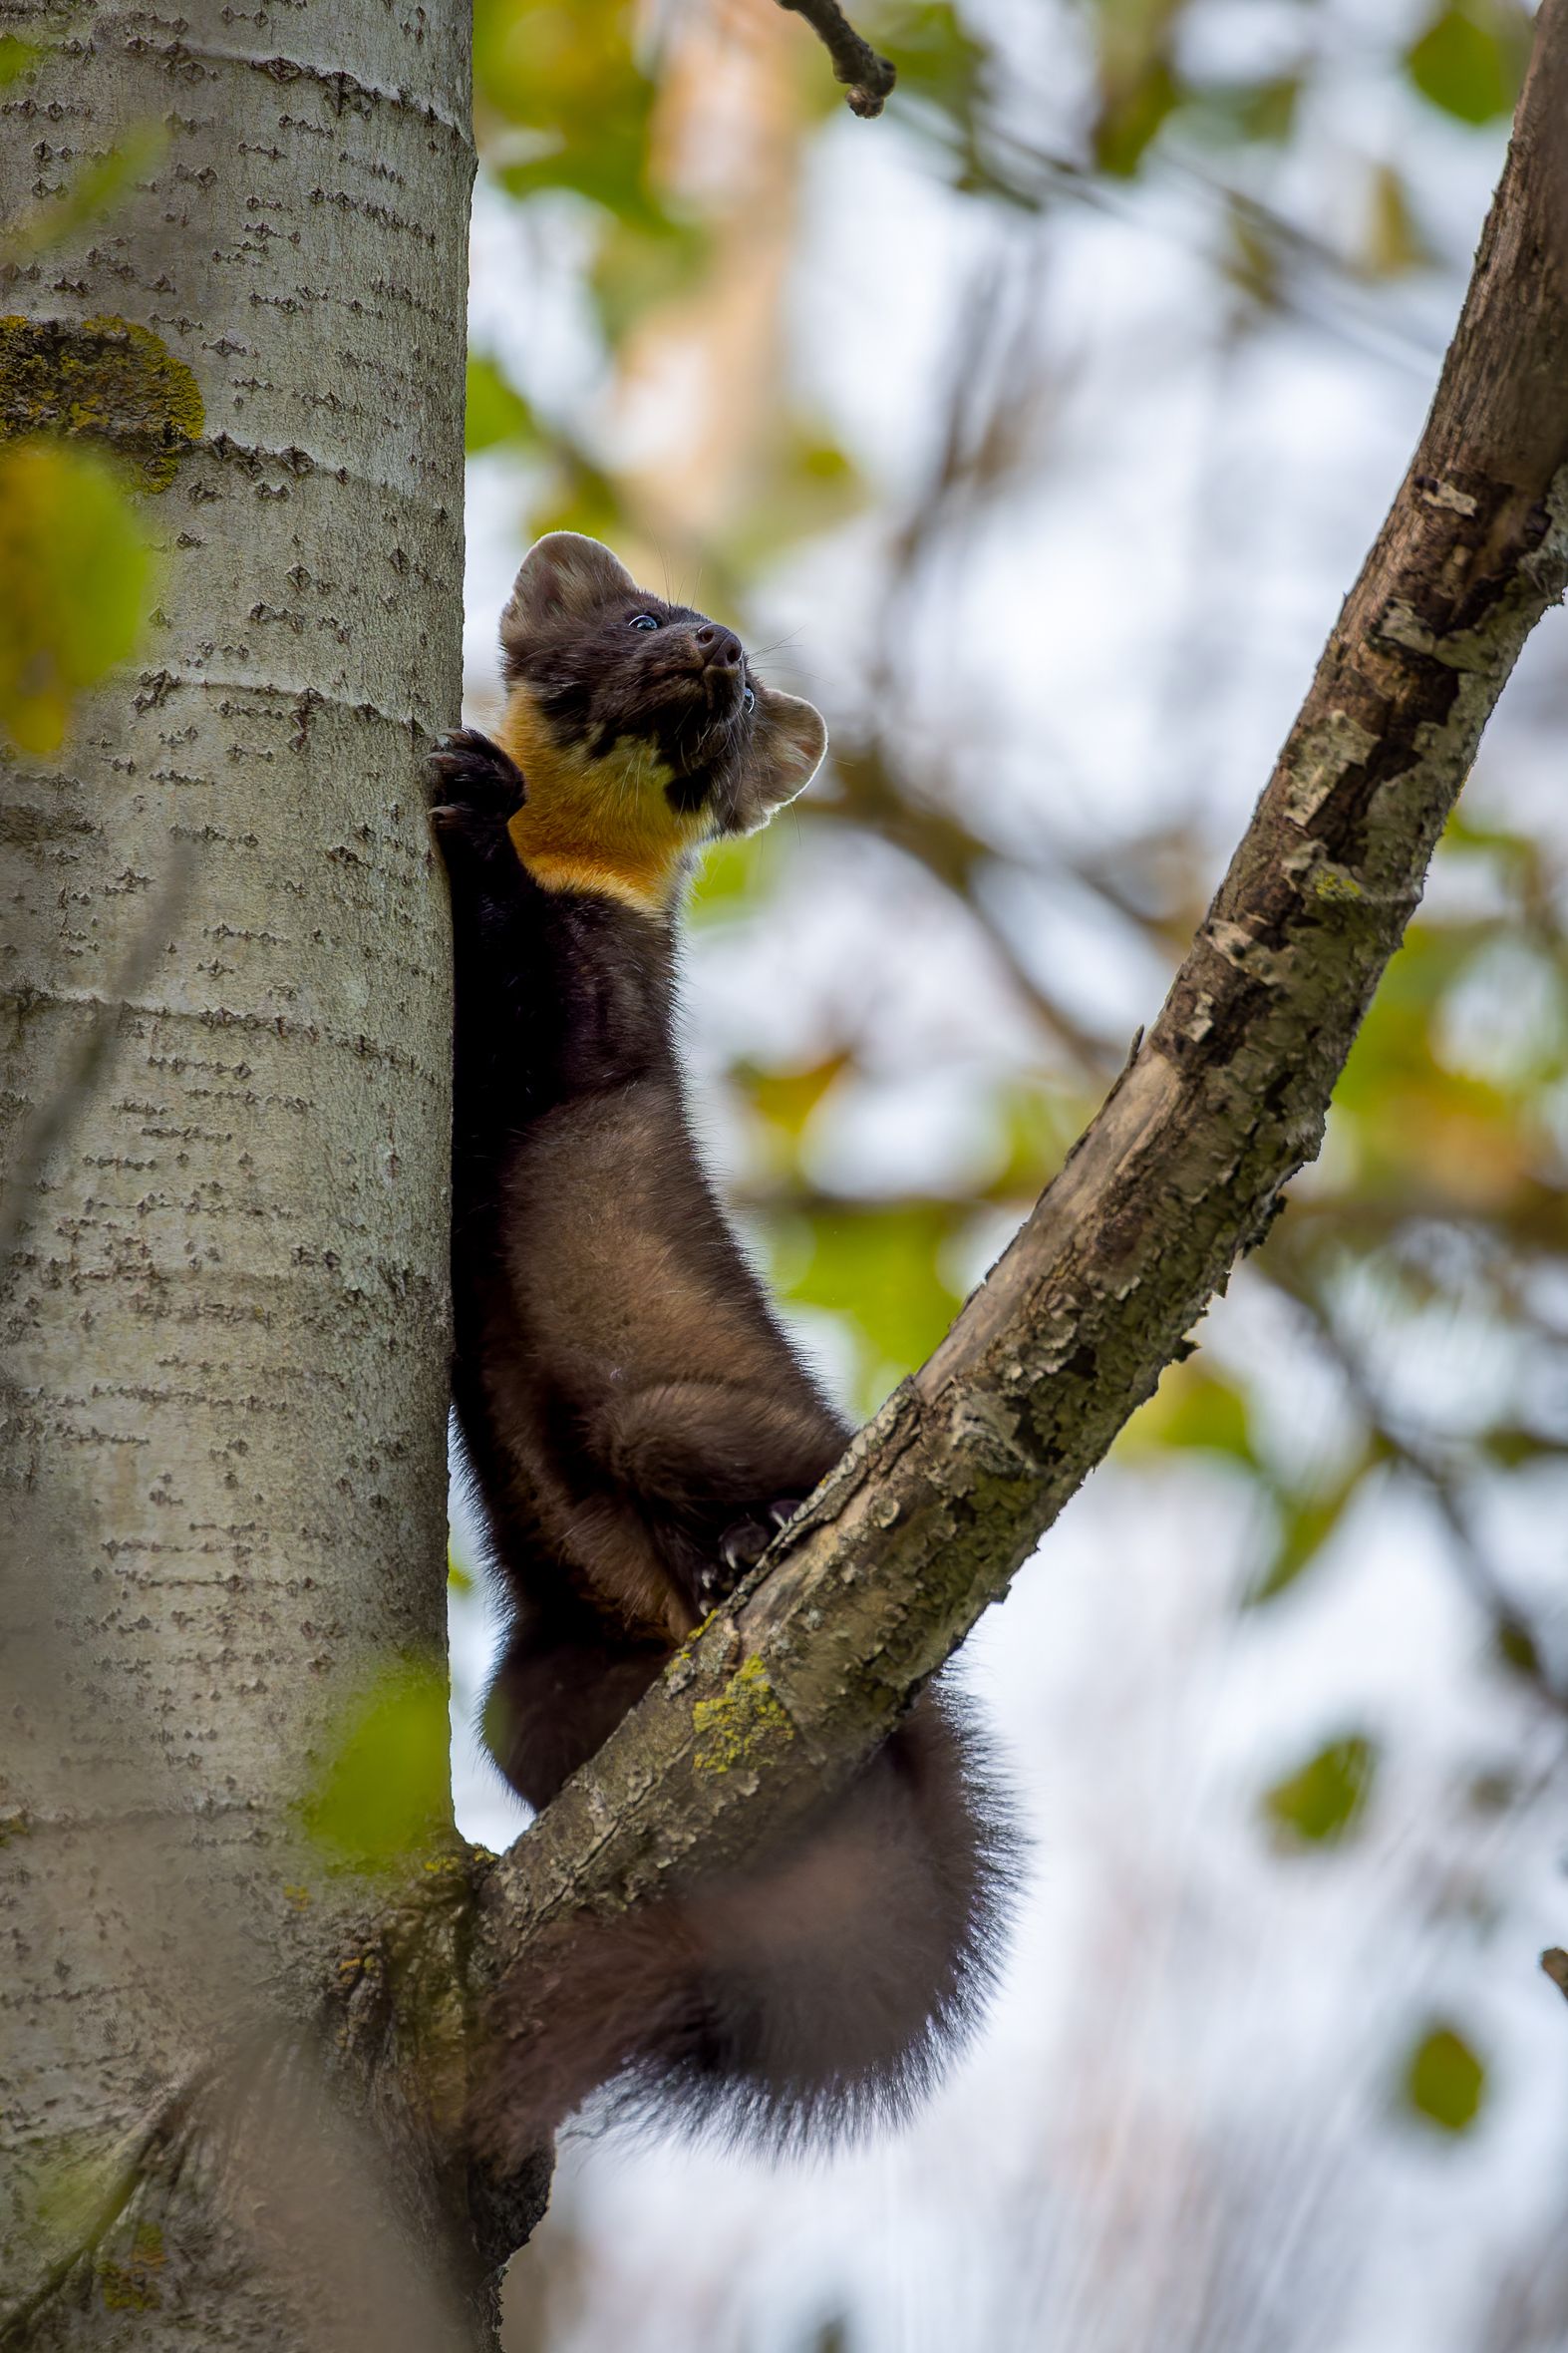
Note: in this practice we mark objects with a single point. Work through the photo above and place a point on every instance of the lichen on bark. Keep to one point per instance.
(109, 381)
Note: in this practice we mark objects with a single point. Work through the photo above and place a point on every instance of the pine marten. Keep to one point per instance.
(636, 1424)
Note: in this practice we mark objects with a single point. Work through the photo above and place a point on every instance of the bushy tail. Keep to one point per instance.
(805, 2000)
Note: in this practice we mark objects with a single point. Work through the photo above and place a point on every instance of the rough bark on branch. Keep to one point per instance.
(945, 1494)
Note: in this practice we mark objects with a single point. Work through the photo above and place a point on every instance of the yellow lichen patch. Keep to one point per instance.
(744, 1720)
(104, 380)
(132, 2287)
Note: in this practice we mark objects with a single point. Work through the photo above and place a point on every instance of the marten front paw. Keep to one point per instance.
(481, 788)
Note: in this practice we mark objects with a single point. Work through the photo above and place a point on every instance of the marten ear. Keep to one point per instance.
(565, 578)
(789, 737)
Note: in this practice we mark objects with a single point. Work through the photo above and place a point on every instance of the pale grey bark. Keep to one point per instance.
(225, 1305)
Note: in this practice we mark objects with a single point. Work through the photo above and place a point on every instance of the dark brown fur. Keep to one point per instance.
(634, 1419)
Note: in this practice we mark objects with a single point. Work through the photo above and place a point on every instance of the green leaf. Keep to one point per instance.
(1266, 109)
(1322, 1802)
(941, 71)
(494, 413)
(564, 71)
(731, 871)
(1195, 1409)
(1516, 1647)
(459, 1578)
(642, 262)
(74, 566)
(1041, 1120)
(1391, 241)
(579, 499)
(809, 485)
(879, 1268)
(1226, 112)
(98, 187)
(1471, 60)
(385, 1791)
(1444, 2081)
(1511, 1445)
(788, 1098)
(1130, 115)
(1307, 1521)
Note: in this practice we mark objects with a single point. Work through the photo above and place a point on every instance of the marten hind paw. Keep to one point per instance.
(743, 1545)
(478, 787)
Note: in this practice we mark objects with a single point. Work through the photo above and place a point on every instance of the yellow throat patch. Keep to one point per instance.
(602, 824)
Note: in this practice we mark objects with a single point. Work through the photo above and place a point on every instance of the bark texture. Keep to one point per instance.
(225, 1300)
(946, 1493)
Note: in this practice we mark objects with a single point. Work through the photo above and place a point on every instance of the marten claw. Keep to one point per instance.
(743, 1545)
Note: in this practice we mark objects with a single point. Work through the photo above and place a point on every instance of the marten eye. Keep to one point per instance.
(644, 621)
(750, 700)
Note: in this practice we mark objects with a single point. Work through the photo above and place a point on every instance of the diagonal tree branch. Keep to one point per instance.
(945, 1494)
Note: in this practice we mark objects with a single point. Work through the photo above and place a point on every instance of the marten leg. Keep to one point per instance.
(499, 1035)
(716, 1468)
(556, 1699)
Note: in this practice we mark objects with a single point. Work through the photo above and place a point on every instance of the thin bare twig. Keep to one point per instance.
(871, 77)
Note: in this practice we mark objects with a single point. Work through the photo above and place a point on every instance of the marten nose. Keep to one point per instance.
(721, 648)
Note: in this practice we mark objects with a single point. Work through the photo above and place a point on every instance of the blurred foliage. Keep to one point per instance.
(1445, 2082)
(1471, 60)
(1138, 78)
(877, 1267)
(1322, 1801)
(568, 102)
(66, 205)
(74, 565)
(89, 412)
(893, 1271)
(941, 89)
(384, 1793)
(565, 77)
(494, 412)
(1392, 243)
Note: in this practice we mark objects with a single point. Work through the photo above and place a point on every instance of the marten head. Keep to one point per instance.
(639, 726)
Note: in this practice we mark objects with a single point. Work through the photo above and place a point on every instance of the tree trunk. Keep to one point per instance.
(227, 1060)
